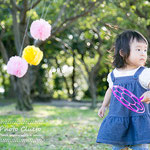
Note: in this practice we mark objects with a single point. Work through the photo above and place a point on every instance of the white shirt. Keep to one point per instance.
(144, 77)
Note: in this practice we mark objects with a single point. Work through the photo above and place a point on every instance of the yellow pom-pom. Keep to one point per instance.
(33, 55)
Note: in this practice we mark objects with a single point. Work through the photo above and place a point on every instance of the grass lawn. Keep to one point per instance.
(49, 128)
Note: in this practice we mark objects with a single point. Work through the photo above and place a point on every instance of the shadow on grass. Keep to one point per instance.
(60, 128)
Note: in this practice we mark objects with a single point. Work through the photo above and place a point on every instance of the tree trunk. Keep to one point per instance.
(73, 78)
(92, 89)
(23, 93)
(65, 80)
(11, 90)
(22, 85)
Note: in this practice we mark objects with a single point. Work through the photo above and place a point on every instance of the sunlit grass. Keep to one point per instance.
(60, 128)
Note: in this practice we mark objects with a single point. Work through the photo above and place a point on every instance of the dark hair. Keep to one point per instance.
(122, 45)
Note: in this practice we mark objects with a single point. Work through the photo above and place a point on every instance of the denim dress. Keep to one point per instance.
(123, 126)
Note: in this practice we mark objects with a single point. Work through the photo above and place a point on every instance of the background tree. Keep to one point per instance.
(19, 25)
(77, 55)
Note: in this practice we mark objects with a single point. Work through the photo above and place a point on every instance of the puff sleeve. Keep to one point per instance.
(109, 80)
(144, 78)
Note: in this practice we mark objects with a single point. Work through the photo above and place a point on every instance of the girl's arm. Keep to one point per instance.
(146, 95)
(107, 97)
(106, 102)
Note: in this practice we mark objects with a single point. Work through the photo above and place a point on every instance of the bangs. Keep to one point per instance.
(138, 37)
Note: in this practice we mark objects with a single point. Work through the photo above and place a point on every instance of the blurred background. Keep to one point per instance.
(77, 55)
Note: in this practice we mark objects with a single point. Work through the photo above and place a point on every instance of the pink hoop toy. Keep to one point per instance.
(135, 104)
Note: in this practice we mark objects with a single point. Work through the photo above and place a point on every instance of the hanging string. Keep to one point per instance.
(25, 31)
(47, 10)
(44, 4)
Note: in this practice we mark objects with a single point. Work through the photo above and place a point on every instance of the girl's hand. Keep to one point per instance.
(101, 111)
(146, 98)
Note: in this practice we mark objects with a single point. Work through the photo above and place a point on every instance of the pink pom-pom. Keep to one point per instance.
(40, 29)
(17, 66)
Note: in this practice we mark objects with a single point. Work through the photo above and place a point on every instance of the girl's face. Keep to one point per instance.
(138, 54)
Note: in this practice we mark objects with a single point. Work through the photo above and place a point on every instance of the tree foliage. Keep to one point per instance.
(77, 56)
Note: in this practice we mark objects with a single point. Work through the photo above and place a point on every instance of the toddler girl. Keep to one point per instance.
(128, 121)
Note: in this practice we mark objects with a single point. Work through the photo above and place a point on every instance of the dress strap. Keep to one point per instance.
(112, 76)
(138, 72)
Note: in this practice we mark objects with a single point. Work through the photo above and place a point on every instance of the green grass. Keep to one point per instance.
(60, 128)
